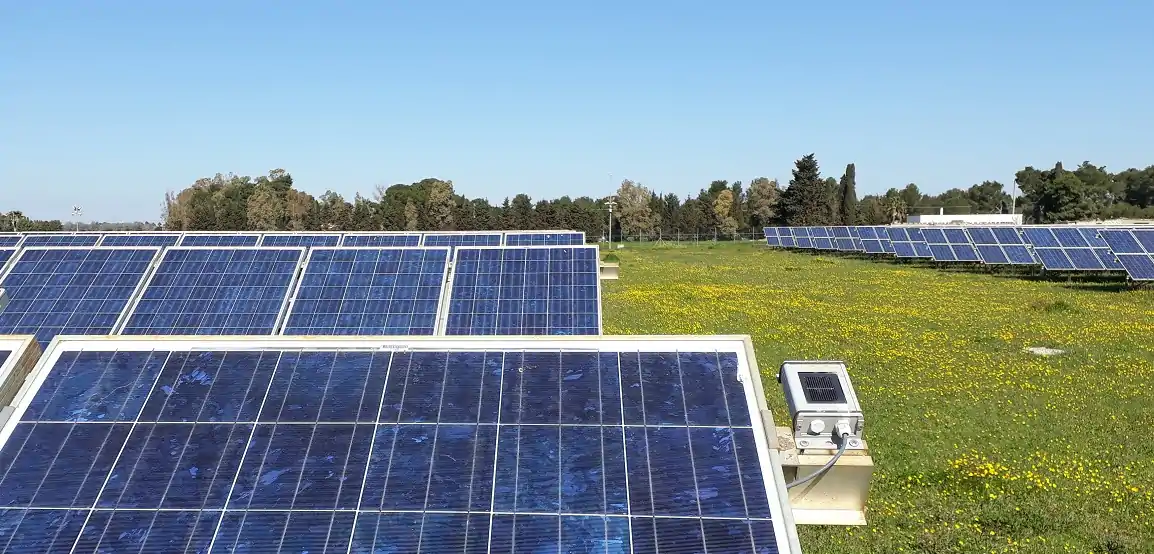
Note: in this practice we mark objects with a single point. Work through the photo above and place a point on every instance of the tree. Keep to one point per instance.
(763, 197)
(635, 211)
(848, 189)
(265, 209)
(335, 213)
(439, 205)
(806, 201)
(726, 224)
(521, 212)
(988, 197)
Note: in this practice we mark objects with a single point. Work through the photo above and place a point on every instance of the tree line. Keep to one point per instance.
(723, 209)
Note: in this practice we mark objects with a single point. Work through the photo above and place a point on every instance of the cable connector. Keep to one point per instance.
(842, 431)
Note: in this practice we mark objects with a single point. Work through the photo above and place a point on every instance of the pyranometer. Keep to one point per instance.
(822, 404)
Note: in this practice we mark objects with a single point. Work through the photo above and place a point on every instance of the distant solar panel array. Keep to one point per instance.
(1055, 247)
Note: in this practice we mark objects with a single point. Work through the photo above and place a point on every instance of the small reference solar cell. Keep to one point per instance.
(382, 240)
(558, 238)
(140, 239)
(369, 291)
(61, 240)
(359, 447)
(219, 240)
(526, 290)
(71, 290)
(295, 240)
(215, 291)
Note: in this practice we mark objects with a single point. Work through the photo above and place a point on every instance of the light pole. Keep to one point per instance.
(76, 215)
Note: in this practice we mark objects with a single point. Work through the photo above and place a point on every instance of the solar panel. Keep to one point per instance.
(215, 291)
(449, 446)
(1134, 249)
(1101, 249)
(5, 255)
(381, 240)
(801, 236)
(842, 239)
(551, 238)
(140, 239)
(822, 238)
(233, 239)
(999, 245)
(771, 238)
(453, 240)
(71, 290)
(525, 290)
(61, 240)
(858, 245)
(9, 241)
(305, 240)
(871, 242)
(907, 242)
(369, 291)
(785, 235)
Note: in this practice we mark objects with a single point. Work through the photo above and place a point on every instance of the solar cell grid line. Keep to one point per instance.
(368, 291)
(61, 239)
(219, 239)
(215, 291)
(140, 239)
(524, 290)
(544, 238)
(182, 445)
(381, 240)
(73, 290)
(308, 240)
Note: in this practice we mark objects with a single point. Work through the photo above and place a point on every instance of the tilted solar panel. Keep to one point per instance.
(559, 238)
(5, 255)
(785, 235)
(295, 239)
(215, 291)
(193, 239)
(427, 447)
(1101, 249)
(771, 237)
(140, 239)
(1134, 249)
(454, 240)
(61, 240)
(822, 238)
(526, 290)
(999, 245)
(801, 237)
(369, 291)
(71, 290)
(379, 240)
(8, 241)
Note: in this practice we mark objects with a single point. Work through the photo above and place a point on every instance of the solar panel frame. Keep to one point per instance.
(478, 237)
(777, 519)
(145, 239)
(129, 311)
(302, 239)
(283, 327)
(381, 239)
(14, 353)
(785, 236)
(547, 238)
(1134, 250)
(802, 237)
(221, 239)
(11, 240)
(771, 237)
(822, 238)
(60, 239)
(449, 285)
(6, 255)
(842, 238)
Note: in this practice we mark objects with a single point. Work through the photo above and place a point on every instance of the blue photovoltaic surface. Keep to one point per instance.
(309, 241)
(373, 291)
(5, 255)
(382, 240)
(1101, 249)
(802, 238)
(785, 235)
(219, 240)
(380, 451)
(771, 238)
(8, 241)
(566, 238)
(4, 356)
(999, 245)
(822, 238)
(1134, 249)
(215, 291)
(858, 245)
(71, 291)
(525, 291)
(842, 239)
(61, 240)
(140, 239)
(871, 240)
(455, 240)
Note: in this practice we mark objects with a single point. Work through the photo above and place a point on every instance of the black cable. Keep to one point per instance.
(824, 468)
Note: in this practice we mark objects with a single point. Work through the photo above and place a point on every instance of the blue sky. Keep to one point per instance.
(109, 104)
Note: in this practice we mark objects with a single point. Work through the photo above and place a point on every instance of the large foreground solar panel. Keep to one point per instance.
(453, 240)
(301, 239)
(140, 239)
(608, 446)
(527, 290)
(71, 290)
(369, 291)
(215, 291)
(226, 239)
(379, 240)
(540, 238)
(9, 241)
(61, 240)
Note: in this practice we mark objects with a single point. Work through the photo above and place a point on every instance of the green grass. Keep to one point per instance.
(979, 445)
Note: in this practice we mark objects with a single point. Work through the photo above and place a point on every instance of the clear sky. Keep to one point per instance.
(108, 104)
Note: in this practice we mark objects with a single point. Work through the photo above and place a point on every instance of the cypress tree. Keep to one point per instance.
(849, 196)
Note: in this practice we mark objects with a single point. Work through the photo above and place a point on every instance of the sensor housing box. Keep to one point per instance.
(819, 396)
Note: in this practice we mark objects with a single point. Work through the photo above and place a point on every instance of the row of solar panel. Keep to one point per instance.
(452, 240)
(1056, 248)
(522, 290)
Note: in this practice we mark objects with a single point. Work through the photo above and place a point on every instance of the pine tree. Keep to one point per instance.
(806, 201)
(849, 196)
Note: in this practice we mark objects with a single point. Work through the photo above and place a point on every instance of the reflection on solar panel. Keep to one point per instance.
(785, 235)
(771, 237)
(453, 240)
(1134, 249)
(61, 240)
(140, 239)
(219, 240)
(215, 291)
(295, 446)
(8, 241)
(526, 290)
(373, 291)
(290, 239)
(559, 238)
(72, 291)
(379, 240)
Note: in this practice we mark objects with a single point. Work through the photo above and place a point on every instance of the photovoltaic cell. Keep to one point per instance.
(215, 291)
(61, 240)
(5, 255)
(390, 240)
(525, 291)
(453, 240)
(294, 240)
(562, 238)
(140, 239)
(369, 291)
(842, 239)
(8, 241)
(1101, 249)
(380, 450)
(71, 291)
(219, 240)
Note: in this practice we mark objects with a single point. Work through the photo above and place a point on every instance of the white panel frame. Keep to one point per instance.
(769, 456)
(425, 235)
(99, 237)
(179, 236)
(505, 239)
(187, 234)
(260, 241)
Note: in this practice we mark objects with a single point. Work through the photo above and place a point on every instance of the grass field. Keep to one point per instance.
(979, 445)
